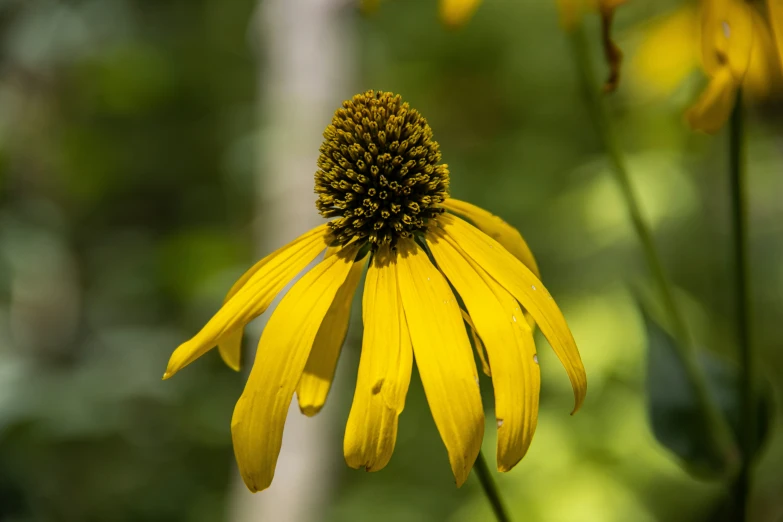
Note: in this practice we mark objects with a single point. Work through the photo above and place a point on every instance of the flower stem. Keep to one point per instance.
(490, 489)
(721, 438)
(747, 393)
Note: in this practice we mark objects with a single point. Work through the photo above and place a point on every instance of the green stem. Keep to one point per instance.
(747, 393)
(490, 489)
(721, 438)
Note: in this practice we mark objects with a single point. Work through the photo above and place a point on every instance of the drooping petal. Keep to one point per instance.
(509, 343)
(260, 413)
(526, 288)
(455, 13)
(763, 72)
(495, 228)
(317, 378)
(443, 356)
(384, 369)
(727, 36)
(249, 298)
(775, 8)
(714, 106)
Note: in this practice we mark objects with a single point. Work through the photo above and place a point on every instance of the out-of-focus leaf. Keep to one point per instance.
(676, 418)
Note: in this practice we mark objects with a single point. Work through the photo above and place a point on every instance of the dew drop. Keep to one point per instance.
(477, 381)
(500, 422)
(533, 287)
(535, 358)
(726, 29)
(514, 318)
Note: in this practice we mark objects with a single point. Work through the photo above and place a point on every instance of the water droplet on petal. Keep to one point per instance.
(535, 358)
(477, 381)
(726, 29)
(500, 422)
(514, 318)
(533, 287)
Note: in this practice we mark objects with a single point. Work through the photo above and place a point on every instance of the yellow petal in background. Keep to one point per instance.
(726, 36)
(443, 356)
(384, 369)
(250, 296)
(495, 228)
(317, 378)
(509, 343)
(456, 13)
(668, 52)
(775, 13)
(763, 74)
(526, 288)
(571, 13)
(714, 106)
(260, 413)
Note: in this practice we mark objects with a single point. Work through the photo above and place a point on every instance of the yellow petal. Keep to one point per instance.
(495, 228)
(669, 51)
(526, 288)
(477, 344)
(775, 8)
(259, 415)
(763, 72)
(727, 36)
(384, 369)
(714, 106)
(571, 13)
(317, 378)
(249, 298)
(443, 356)
(509, 343)
(455, 13)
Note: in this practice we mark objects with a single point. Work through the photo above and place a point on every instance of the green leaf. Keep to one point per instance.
(676, 418)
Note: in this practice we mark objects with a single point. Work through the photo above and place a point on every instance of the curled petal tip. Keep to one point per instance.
(309, 411)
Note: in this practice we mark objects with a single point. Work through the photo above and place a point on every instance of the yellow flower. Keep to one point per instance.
(381, 183)
(731, 42)
(453, 13)
(571, 14)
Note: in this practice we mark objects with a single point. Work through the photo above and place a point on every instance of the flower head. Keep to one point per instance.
(381, 182)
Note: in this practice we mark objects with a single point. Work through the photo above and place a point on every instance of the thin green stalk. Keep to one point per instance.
(722, 441)
(747, 394)
(490, 489)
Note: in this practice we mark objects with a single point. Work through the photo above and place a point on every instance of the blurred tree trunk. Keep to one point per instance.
(306, 68)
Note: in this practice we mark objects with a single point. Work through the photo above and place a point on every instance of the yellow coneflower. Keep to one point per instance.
(381, 182)
(730, 40)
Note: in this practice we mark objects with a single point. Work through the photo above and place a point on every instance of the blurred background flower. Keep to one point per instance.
(141, 143)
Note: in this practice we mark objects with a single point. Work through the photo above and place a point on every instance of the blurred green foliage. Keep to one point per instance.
(125, 212)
